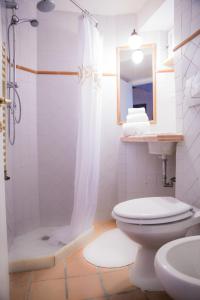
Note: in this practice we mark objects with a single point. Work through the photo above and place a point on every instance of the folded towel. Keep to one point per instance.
(136, 110)
(136, 128)
(140, 117)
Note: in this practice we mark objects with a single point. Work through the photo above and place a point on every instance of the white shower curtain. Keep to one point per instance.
(88, 142)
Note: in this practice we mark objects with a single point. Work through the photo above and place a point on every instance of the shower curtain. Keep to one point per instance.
(88, 141)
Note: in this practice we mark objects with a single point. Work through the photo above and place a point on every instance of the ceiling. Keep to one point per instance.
(162, 19)
(103, 7)
(135, 73)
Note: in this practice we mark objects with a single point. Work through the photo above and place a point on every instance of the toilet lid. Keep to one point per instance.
(151, 208)
(159, 221)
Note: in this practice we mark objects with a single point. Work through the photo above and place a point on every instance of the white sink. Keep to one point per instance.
(177, 265)
(162, 148)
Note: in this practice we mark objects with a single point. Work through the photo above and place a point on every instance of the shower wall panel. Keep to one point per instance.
(22, 188)
(58, 105)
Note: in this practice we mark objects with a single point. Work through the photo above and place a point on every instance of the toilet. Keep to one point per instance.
(152, 222)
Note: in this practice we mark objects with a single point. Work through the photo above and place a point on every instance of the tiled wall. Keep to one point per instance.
(22, 189)
(58, 104)
(187, 64)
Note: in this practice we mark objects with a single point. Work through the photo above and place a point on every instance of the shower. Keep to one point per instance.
(39, 206)
(14, 108)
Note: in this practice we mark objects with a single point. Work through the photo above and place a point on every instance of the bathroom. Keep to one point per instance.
(47, 228)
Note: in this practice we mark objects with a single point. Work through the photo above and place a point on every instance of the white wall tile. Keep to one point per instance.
(187, 158)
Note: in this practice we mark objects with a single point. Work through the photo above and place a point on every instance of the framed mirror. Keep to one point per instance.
(136, 83)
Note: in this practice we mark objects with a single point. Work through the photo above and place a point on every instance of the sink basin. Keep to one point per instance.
(162, 148)
(177, 265)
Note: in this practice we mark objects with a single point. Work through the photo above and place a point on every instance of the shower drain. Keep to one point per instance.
(45, 238)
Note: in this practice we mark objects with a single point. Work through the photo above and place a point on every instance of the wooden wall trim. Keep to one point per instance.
(187, 40)
(26, 69)
(110, 74)
(64, 73)
(165, 71)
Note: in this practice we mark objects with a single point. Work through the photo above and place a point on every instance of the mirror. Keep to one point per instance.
(136, 83)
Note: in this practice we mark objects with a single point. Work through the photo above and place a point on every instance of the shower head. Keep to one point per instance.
(45, 5)
(15, 21)
(34, 23)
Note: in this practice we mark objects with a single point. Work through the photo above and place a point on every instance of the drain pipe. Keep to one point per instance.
(164, 173)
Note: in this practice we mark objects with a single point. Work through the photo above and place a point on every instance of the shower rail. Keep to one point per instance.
(85, 11)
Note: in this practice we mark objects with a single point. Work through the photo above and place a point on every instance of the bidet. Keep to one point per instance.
(177, 265)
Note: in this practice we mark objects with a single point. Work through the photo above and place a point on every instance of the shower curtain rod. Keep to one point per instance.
(85, 11)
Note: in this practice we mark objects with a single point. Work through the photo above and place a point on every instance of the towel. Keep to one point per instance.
(136, 128)
(140, 117)
(136, 110)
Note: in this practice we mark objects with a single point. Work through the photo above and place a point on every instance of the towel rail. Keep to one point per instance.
(4, 102)
(187, 40)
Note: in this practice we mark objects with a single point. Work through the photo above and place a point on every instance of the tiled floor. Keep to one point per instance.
(75, 279)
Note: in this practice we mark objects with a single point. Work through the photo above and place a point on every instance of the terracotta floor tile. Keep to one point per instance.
(157, 296)
(112, 269)
(48, 290)
(86, 287)
(18, 293)
(101, 227)
(78, 266)
(56, 272)
(21, 278)
(99, 224)
(101, 298)
(116, 282)
(110, 225)
(137, 294)
(19, 285)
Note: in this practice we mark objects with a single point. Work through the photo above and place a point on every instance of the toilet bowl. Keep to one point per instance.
(152, 222)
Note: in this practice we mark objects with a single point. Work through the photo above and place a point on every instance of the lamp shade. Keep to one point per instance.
(135, 41)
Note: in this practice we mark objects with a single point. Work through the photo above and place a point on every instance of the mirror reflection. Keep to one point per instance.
(136, 81)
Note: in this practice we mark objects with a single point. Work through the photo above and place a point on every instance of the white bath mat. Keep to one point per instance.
(112, 249)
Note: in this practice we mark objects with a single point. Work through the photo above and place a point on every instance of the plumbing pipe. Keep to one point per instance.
(164, 173)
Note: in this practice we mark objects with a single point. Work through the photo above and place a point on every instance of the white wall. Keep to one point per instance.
(187, 64)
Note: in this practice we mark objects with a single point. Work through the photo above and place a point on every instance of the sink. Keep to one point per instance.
(162, 148)
(177, 265)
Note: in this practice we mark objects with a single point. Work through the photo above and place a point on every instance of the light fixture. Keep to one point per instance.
(137, 56)
(135, 41)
